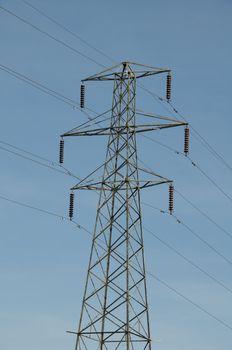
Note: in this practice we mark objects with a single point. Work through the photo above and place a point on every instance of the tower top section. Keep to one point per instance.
(126, 70)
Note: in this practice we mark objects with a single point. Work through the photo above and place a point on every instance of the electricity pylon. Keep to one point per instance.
(114, 312)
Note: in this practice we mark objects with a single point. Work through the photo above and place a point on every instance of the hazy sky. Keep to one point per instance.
(43, 259)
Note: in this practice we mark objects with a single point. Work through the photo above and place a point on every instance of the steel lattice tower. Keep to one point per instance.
(114, 311)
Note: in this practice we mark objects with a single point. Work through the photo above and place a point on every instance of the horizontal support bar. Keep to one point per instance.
(123, 130)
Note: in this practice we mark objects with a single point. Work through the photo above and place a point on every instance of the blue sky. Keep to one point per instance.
(44, 259)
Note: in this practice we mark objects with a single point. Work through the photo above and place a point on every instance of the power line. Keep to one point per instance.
(39, 86)
(83, 41)
(203, 240)
(162, 144)
(60, 41)
(32, 160)
(33, 207)
(168, 286)
(79, 38)
(190, 301)
(27, 152)
(203, 141)
(210, 179)
(169, 246)
(187, 200)
(196, 133)
(193, 163)
(43, 211)
(67, 30)
(47, 90)
(198, 209)
(50, 36)
(65, 44)
(51, 164)
(194, 233)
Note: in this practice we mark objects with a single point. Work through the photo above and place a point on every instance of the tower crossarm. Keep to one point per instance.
(122, 130)
(119, 185)
(126, 70)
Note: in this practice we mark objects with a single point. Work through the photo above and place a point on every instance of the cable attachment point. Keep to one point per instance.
(186, 141)
(168, 91)
(71, 205)
(171, 198)
(61, 155)
(82, 95)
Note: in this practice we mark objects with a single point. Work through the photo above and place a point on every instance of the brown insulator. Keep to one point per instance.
(61, 155)
(171, 197)
(168, 91)
(71, 205)
(82, 95)
(186, 141)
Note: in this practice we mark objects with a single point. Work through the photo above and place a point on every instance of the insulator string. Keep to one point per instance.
(82, 95)
(186, 141)
(171, 199)
(61, 155)
(71, 205)
(168, 91)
